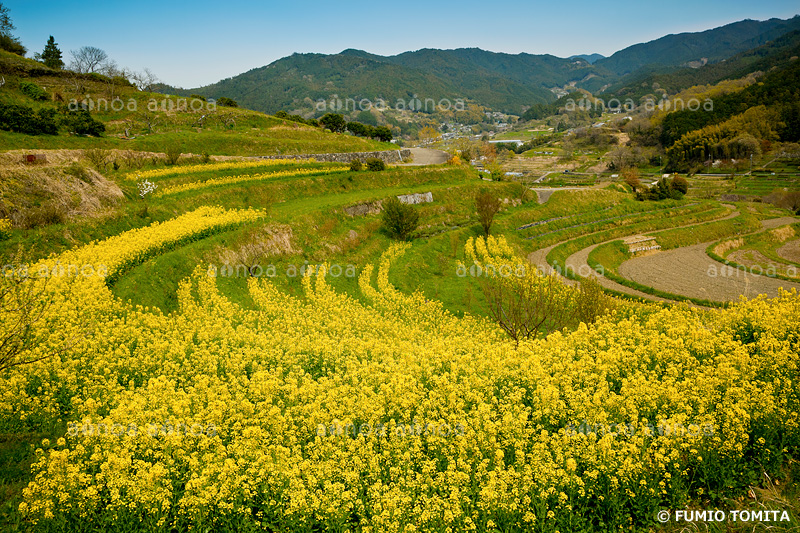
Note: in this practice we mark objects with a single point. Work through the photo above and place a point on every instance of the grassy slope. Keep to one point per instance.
(225, 131)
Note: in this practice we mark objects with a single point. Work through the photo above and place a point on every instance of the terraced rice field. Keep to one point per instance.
(387, 400)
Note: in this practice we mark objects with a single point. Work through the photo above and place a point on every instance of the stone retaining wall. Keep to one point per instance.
(387, 156)
(373, 208)
(418, 198)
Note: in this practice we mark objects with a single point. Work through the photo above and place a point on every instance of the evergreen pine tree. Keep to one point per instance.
(52, 55)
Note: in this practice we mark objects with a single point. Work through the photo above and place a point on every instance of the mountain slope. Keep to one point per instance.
(712, 45)
(777, 53)
(302, 80)
(591, 58)
(500, 81)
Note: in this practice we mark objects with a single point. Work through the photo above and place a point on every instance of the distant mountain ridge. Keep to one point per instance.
(591, 58)
(500, 81)
(713, 45)
(775, 54)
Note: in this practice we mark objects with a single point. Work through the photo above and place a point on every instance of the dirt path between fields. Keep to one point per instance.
(539, 259)
(689, 271)
(579, 264)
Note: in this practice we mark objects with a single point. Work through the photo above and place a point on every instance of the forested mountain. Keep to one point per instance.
(710, 45)
(591, 58)
(777, 53)
(499, 81)
(301, 80)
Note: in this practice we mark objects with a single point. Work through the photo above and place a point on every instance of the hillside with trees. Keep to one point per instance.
(501, 82)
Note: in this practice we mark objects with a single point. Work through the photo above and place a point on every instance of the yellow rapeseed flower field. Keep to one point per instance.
(211, 167)
(230, 180)
(323, 412)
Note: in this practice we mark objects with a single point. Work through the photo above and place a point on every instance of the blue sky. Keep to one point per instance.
(189, 44)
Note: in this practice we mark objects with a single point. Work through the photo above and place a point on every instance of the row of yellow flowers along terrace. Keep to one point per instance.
(268, 378)
(230, 180)
(214, 167)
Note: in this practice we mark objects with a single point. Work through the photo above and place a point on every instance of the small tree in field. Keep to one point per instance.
(487, 206)
(24, 302)
(227, 102)
(51, 56)
(399, 219)
(87, 59)
(680, 184)
(592, 302)
(334, 122)
(631, 177)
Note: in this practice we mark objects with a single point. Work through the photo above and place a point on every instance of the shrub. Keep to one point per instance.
(661, 191)
(382, 133)
(33, 91)
(5, 229)
(592, 302)
(173, 153)
(11, 44)
(77, 171)
(44, 215)
(362, 130)
(399, 219)
(227, 102)
(23, 119)
(631, 177)
(80, 122)
(356, 165)
(296, 118)
(96, 157)
(680, 184)
(333, 122)
(375, 164)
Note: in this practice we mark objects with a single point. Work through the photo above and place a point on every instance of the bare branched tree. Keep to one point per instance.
(144, 80)
(525, 307)
(148, 118)
(113, 73)
(526, 303)
(87, 59)
(24, 301)
(487, 205)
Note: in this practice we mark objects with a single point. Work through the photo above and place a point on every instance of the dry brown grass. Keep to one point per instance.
(783, 233)
(129, 159)
(38, 195)
(722, 248)
(258, 244)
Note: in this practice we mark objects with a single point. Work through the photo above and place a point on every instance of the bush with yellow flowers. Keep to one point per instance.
(5, 229)
(325, 413)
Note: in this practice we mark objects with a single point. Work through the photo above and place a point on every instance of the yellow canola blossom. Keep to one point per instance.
(211, 167)
(5, 228)
(230, 180)
(391, 414)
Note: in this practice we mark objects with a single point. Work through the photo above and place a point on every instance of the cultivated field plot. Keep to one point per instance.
(690, 272)
(790, 251)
